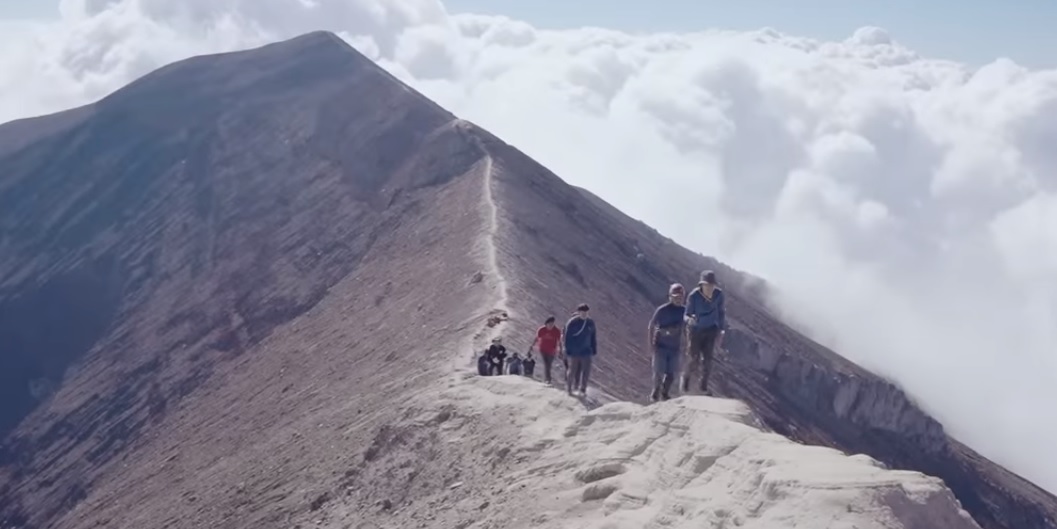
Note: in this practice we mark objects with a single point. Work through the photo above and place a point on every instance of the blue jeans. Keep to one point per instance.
(665, 367)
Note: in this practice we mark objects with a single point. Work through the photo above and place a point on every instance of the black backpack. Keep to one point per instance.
(529, 365)
(515, 366)
(483, 365)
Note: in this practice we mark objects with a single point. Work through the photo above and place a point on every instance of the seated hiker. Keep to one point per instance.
(665, 339)
(707, 319)
(514, 366)
(581, 346)
(529, 364)
(496, 356)
(549, 341)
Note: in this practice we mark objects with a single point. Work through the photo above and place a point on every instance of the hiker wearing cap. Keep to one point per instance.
(496, 355)
(707, 321)
(549, 341)
(665, 339)
(580, 347)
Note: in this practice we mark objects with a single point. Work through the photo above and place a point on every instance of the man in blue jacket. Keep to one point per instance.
(707, 321)
(581, 346)
(665, 338)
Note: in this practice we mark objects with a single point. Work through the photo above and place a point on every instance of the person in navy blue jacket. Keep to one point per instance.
(581, 345)
(706, 319)
(665, 338)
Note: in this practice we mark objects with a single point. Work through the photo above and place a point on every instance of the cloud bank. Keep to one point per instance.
(905, 206)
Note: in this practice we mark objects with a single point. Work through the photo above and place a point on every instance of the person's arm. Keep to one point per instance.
(565, 333)
(535, 342)
(721, 310)
(594, 341)
(689, 309)
(650, 328)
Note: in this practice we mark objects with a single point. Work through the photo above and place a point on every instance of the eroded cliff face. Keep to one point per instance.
(869, 402)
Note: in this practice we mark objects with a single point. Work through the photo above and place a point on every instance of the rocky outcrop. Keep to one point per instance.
(866, 401)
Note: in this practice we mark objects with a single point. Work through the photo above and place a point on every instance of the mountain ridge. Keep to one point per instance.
(304, 223)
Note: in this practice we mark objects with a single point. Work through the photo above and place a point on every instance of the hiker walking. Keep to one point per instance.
(496, 355)
(665, 339)
(529, 364)
(549, 342)
(580, 347)
(707, 321)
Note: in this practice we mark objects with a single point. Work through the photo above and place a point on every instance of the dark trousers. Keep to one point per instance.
(665, 367)
(699, 356)
(579, 373)
(548, 363)
(497, 366)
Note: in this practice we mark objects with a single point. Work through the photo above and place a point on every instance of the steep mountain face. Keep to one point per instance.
(153, 246)
(221, 285)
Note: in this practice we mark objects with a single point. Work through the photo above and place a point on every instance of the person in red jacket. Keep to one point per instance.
(549, 341)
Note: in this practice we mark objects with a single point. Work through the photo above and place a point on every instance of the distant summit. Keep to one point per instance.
(229, 287)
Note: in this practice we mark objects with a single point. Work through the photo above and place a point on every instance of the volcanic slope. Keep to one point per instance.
(232, 294)
(564, 245)
(218, 275)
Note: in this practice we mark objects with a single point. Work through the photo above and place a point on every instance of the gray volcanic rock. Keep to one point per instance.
(220, 284)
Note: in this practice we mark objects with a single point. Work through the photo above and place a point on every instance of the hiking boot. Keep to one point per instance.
(656, 394)
(665, 396)
(705, 391)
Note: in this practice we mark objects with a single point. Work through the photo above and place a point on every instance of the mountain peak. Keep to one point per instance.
(315, 38)
(297, 68)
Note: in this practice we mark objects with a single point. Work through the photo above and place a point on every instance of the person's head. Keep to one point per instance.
(676, 293)
(498, 340)
(708, 281)
(582, 310)
(549, 323)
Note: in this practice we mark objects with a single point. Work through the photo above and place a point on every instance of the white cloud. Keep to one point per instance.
(906, 206)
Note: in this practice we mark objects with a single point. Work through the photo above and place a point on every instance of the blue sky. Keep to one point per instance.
(973, 31)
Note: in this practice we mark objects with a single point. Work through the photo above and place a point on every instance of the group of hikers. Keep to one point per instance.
(685, 326)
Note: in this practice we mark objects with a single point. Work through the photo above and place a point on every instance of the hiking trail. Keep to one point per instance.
(501, 308)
